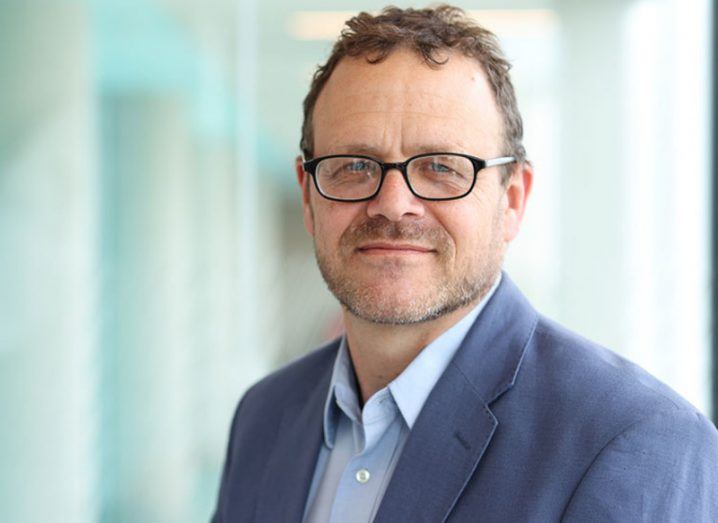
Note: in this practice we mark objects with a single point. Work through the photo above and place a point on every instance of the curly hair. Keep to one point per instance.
(426, 32)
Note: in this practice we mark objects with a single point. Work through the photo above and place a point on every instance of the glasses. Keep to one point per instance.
(432, 176)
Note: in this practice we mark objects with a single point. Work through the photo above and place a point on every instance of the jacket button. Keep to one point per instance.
(362, 475)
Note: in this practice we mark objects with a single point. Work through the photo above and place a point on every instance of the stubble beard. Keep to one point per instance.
(434, 298)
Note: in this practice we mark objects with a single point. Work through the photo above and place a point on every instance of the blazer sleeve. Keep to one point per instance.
(662, 468)
(221, 499)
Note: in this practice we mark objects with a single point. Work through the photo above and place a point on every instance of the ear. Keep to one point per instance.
(517, 193)
(304, 186)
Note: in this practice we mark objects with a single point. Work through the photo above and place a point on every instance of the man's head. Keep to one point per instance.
(405, 83)
(429, 33)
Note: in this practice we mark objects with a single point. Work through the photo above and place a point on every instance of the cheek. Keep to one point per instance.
(472, 228)
(331, 220)
(459, 236)
(308, 216)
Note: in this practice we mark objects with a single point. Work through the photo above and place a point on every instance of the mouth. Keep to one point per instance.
(387, 248)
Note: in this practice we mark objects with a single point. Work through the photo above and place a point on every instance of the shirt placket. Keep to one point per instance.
(375, 440)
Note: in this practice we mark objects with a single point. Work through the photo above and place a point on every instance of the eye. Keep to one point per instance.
(347, 170)
(356, 166)
(439, 167)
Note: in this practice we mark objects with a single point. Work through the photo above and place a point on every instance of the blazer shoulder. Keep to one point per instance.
(262, 406)
(663, 467)
(294, 379)
(257, 424)
(582, 376)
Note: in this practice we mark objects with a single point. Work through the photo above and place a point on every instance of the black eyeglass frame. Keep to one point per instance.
(310, 167)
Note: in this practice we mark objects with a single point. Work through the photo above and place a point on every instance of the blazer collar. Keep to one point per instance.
(456, 424)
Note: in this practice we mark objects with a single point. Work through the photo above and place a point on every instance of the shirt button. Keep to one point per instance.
(362, 475)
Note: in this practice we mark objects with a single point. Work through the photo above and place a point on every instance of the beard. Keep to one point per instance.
(377, 302)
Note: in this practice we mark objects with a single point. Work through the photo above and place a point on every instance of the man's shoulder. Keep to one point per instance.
(296, 378)
(634, 444)
(577, 375)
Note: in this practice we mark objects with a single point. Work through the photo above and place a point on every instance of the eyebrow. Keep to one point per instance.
(371, 150)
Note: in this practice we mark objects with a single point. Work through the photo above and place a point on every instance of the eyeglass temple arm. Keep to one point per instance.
(499, 161)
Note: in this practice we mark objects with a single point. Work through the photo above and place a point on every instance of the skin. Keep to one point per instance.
(396, 253)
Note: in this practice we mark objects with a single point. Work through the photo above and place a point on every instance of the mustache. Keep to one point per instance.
(380, 228)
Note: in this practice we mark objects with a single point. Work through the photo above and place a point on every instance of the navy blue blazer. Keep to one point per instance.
(529, 422)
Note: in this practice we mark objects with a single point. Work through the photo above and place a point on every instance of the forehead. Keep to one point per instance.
(403, 102)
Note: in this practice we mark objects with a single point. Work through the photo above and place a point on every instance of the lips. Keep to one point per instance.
(393, 248)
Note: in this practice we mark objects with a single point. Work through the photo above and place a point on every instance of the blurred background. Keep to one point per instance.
(153, 262)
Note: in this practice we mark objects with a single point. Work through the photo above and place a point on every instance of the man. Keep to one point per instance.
(449, 397)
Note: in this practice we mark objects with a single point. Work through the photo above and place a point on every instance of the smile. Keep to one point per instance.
(383, 248)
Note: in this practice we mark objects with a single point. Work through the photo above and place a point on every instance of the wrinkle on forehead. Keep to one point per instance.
(398, 94)
(430, 114)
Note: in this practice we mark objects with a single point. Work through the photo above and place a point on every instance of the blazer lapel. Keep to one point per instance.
(440, 455)
(290, 469)
(456, 425)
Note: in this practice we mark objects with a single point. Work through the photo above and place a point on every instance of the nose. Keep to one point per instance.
(395, 200)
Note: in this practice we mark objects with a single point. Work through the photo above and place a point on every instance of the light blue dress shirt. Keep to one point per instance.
(362, 446)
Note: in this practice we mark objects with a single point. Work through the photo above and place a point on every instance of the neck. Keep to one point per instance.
(381, 352)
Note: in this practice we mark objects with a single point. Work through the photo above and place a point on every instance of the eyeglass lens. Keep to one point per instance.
(436, 176)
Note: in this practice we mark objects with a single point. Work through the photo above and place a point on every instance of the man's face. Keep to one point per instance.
(398, 259)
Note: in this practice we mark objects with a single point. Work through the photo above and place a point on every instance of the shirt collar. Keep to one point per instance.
(342, 390)
(411, 388)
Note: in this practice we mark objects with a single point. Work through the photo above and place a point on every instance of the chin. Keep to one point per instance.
(398, 295)
(391, 305)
